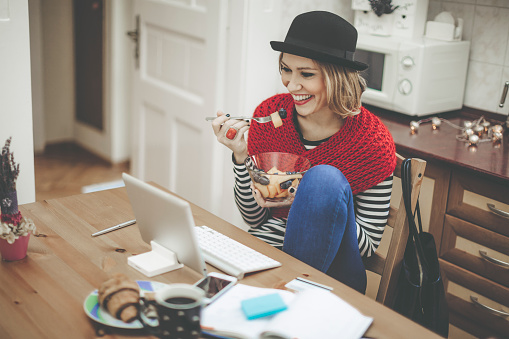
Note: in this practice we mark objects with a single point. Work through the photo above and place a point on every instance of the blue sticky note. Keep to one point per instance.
(263, 306)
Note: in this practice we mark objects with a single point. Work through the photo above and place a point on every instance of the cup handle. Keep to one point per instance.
(145, 321)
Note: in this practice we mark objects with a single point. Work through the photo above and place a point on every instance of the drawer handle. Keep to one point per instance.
(497, 262)
(491, 310)
(497, 211)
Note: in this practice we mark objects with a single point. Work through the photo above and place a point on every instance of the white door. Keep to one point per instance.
(178, 83)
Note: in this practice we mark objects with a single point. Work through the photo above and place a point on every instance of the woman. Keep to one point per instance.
(340, 209)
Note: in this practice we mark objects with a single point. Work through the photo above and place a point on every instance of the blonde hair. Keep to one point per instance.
(344, 87)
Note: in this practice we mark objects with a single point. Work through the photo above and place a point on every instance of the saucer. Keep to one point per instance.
(101, 315)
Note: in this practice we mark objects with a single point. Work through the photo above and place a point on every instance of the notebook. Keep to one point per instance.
(310, 314)
(167, 221)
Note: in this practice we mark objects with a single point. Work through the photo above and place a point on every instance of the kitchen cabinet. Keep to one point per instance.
(469, 218)
(474, 254)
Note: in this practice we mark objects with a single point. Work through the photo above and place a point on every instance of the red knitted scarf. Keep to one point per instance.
(362, 149)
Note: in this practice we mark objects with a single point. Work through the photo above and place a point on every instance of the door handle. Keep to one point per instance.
(504, 94)
(494, 261)
(476, 302)
(135, 37)
(497, 211)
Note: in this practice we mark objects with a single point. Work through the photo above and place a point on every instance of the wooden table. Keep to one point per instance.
(42, 295)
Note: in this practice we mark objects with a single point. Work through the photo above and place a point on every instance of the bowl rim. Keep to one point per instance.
(281, 173)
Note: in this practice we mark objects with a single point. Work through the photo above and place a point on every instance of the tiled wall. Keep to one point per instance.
(486, 26)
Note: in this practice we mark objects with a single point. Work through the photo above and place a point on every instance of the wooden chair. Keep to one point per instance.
(389, 267)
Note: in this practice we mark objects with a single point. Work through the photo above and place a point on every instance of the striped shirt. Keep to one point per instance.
(371, 211)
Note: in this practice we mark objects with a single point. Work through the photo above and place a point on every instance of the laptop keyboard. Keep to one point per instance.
(229, 255)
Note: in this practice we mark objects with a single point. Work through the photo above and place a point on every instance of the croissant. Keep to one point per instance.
(121, 297)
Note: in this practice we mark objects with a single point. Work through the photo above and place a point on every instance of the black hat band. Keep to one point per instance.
(312, 46)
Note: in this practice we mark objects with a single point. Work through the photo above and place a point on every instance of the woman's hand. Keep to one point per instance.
(231, 134)
(264, 203)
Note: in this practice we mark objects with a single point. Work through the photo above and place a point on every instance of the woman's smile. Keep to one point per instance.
(300, 99)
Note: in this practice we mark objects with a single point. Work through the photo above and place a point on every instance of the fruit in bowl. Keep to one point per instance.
(276, 174)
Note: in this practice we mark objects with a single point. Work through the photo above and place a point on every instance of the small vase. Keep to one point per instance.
(16, 250)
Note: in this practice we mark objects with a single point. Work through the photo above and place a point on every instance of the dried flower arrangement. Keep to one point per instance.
(13, 224)
(9, 170)
(381, 7)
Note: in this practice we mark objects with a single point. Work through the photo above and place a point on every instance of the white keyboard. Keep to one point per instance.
(229, 255)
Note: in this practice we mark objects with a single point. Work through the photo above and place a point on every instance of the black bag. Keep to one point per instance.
(420, 294)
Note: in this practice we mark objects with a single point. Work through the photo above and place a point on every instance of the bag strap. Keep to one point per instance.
(406, 182)
(418, 210)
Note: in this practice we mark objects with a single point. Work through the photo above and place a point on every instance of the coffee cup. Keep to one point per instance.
(178, 309)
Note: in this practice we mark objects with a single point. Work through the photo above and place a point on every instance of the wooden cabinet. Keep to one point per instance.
(473, 244)
(469, 218)
(470, 196)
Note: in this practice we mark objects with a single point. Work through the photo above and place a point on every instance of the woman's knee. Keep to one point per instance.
(325, 176)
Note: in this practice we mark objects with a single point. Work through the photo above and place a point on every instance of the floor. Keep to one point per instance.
(65, 169)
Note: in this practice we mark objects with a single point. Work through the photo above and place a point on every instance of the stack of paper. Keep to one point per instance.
(310, 314)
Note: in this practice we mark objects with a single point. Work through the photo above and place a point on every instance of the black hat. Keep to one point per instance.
(321, 36)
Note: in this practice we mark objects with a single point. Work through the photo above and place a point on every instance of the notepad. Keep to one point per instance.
(263, 306)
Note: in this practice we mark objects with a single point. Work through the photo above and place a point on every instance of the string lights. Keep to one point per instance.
(472, 132)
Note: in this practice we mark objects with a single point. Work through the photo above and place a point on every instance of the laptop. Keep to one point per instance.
(166, 220)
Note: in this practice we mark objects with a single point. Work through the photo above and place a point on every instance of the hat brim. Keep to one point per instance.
(317, 55)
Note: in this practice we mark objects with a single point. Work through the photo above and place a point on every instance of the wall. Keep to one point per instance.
(58, 69)
(293, 8)
(15, 93)
(486, 25)
(251, 76)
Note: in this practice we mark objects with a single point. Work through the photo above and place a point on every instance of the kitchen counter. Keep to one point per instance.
(465, 206)
(441, 145)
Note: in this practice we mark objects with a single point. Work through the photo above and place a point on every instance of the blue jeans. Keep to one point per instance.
(321, 229)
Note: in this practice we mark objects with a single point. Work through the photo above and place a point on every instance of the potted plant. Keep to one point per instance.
(381, 24)
(14, 228)
(381, 7)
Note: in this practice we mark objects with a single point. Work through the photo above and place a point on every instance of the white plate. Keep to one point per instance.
(101, 315)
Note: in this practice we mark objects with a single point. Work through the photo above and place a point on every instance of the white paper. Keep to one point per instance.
(319, 314)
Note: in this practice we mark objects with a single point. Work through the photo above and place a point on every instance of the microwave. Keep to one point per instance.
(413, 76)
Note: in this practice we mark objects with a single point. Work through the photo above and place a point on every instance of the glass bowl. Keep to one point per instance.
(276, 174)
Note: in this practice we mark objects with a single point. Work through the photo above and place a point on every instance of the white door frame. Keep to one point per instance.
(37, 67)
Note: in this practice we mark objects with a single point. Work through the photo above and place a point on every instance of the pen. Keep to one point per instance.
(114, 228)
(314, 283)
